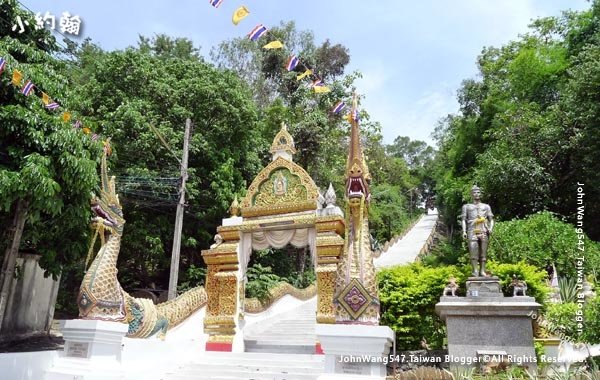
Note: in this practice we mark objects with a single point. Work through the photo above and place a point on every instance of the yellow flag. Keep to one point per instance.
(321, 89)
(17, 77)
(86, 130)
(304, 74)
(45, 98)
(66, 116)
(273, 45)
(240, 14)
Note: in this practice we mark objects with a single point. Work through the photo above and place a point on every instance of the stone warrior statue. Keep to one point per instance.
(477, 225)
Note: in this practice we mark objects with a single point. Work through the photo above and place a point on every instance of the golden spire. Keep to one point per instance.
(356, 159)
(234, 209)
(283, 144)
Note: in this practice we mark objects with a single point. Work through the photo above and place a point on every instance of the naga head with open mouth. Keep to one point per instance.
(357, 171)
(357, 184)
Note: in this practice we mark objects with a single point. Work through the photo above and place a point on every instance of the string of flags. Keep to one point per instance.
(27, 87)
(317, 85)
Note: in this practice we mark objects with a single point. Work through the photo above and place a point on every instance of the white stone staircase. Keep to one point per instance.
(250, 366)
(291, 332)
(279, 347)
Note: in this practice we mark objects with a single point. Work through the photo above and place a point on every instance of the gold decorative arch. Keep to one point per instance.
(281, 187)
(281, 197)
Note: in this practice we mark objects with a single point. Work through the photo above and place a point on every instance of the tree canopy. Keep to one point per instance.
(47, 168)
(527, 128)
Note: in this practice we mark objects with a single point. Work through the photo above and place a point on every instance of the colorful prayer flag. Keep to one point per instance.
(304, 74)
(215, 3)
(94, 137)
(338, 107)
(321, 89)
(77, 124)
(52, 105)
(273, 45)
(27, 88)
(292, 63)
(86, 130)
(257, 32)
(45, 98)
(240, 14)
(354, 115)
(66, 116)
(2, 64)
(17, 77)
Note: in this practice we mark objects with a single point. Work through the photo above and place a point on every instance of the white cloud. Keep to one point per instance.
(414, 118)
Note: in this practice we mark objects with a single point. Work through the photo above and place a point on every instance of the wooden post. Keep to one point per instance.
(173, 277)
(10, 255)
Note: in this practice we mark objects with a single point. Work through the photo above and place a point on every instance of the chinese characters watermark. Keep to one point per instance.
(68, 24)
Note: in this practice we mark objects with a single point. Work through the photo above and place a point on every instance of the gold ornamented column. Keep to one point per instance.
(330, 244)
(222, 288)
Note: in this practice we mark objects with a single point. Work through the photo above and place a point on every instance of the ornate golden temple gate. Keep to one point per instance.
(281, 206)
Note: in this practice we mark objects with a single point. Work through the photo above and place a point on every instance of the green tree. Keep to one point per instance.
(527, 129)
(160, 84)
(47, 168)
(543, 239)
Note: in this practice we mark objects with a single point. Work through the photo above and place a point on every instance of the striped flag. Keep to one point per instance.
(215, 3)
(27, 88)
(292, 63)
(77, 124)
(354, 115)
(338, 107)
(49, 103)
(94, 137)
(52, 105)
(2, 64)
(257, 32)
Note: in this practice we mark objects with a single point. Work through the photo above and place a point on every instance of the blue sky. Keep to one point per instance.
(413, 54)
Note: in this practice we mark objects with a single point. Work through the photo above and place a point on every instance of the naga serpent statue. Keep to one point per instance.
(102, 297)
(355, 299)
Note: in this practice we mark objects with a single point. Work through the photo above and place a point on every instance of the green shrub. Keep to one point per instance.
(591, 322)
(560, 318)
(535, 279)
(194, 276)
(260, 280)
(446, 253)
(567, 288)
(541, 239)
(408, 295)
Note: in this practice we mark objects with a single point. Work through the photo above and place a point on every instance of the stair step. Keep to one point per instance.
(250, 366)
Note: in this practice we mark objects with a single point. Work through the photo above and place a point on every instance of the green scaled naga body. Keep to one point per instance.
(102, 297)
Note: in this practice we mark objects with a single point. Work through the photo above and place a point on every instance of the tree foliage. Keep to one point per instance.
(45, 164)
(160, 84)
(527, 128)
(543, 239)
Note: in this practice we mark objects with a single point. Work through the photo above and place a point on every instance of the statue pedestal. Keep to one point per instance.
(355, 351)
(487, 329)
(92, 351)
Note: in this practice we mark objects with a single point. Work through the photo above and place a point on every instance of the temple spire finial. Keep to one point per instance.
(283, 144)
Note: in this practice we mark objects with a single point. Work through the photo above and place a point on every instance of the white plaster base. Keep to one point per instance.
(355, 351)
(92, 351)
